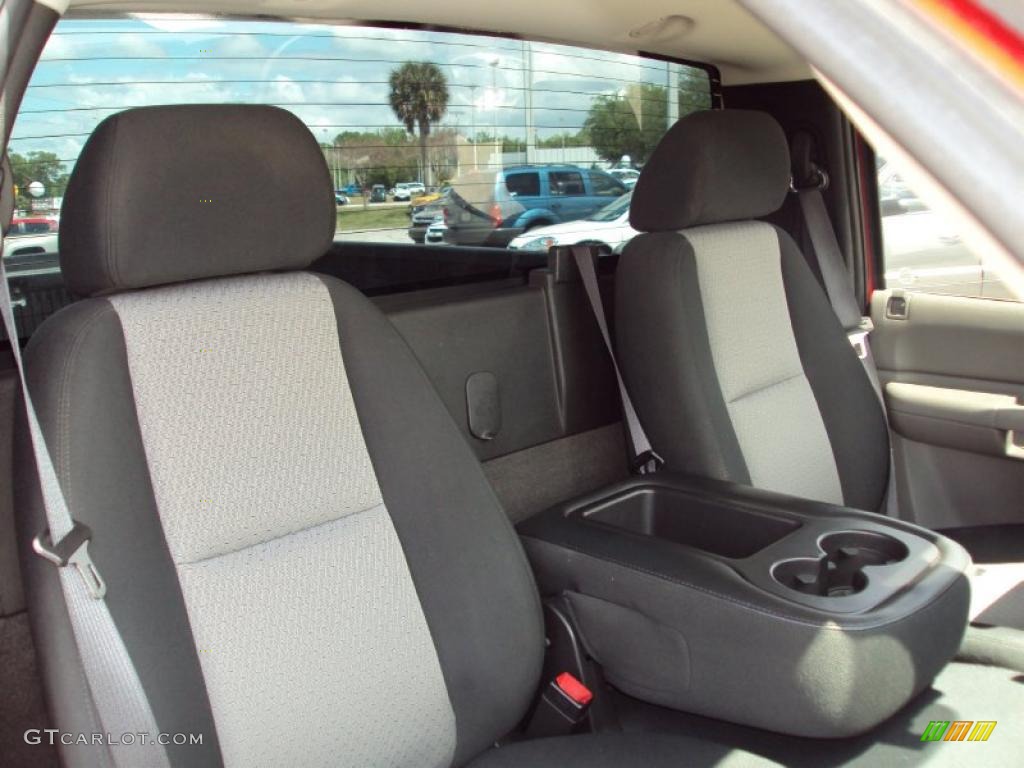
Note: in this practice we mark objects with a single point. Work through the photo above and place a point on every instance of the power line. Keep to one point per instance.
(121, 83)
(318, 104)
(489, 45)
(324, 59)
(342, 126)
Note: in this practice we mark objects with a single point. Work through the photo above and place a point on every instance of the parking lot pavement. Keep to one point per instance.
(399, 235)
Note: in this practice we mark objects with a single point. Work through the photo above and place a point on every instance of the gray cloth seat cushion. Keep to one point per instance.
(694, 417)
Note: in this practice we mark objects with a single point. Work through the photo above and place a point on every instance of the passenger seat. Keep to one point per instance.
(736, 362)
(302, 555)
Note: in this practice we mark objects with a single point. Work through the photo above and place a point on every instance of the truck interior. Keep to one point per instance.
(746, 488)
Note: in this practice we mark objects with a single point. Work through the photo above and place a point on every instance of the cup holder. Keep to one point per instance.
(839, 571)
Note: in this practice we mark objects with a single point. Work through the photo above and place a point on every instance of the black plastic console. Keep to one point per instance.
(753, 606)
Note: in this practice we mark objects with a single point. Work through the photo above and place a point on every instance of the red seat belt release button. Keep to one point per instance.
(562, 708)
(574, 689)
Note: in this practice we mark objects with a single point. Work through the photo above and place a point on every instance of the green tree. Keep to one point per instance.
(694, 91)
(386, 156)
(559, 140)
(508, 143)
(44, 167)
(419, 98)
(628, 124)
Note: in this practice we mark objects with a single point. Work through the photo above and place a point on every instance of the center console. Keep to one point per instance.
(751, 606)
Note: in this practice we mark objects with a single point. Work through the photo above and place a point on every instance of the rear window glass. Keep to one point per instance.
(523, 184)
(606, 185)
(498, 108)
(566, 183)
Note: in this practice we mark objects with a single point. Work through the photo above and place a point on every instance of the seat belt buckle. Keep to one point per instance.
(73, 549)
(646, 463)
(859, 337)
(562, 707)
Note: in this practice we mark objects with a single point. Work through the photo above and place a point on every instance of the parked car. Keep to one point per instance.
(352, 190)
(422, 216)
(340, 198)
(416, 188)
(609, 228)
(627, 176)
(401, 192)
(378, 194)
(894, 195)
(493, 207)
(35, 225)
(435, 233)
(429, 197)
(37, 251)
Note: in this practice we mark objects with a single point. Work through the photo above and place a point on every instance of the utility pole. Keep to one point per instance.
(672, 77)
(531, 131)
(472, 123)
(494, 107)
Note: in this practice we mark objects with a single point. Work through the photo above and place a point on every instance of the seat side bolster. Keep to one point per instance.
(850, 409)
(469, 569)
(78, 375)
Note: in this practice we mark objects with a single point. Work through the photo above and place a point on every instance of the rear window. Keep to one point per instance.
(475, 187)
(605, 185)
(496, 104)
(566, 183)
(523, 184)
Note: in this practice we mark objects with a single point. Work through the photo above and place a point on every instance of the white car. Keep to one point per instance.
(402, 193)
(608, 227)
(435, 232)
(32, 252)
(416, 188)
(627, 176)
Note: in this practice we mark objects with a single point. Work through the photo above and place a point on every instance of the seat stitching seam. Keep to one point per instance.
(64, 400)
(284, 535)
(772, 385)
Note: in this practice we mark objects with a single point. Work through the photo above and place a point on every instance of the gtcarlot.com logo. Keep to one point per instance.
(958, 730)
(52, 736)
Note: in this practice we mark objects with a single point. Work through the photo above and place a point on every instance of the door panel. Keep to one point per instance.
(953, 369)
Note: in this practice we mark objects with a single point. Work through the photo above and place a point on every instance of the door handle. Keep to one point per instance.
(1011, 418)
(1014, 445)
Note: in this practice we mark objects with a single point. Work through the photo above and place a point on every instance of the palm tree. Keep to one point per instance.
(419, 97)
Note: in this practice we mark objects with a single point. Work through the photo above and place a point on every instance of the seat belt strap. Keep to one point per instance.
(643, 460)
(112, 679)
(840, 292)
(833, 270)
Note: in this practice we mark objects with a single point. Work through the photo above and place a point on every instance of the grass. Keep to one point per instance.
(352, 217)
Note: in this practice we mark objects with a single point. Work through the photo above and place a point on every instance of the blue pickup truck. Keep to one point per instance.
(493, 207)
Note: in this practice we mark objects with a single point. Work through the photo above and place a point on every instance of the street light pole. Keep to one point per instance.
(531, 131)
(472, 123)
(494, 104)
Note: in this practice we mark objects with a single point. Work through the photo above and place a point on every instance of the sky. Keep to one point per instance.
(333, 77)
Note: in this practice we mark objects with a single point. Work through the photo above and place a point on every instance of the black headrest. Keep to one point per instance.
(166, 194)
(712, 166)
